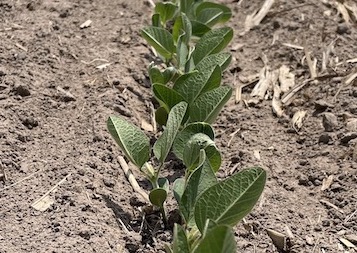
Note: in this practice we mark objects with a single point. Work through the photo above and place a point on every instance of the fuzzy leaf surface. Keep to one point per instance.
(132, 141)
(180, 243)
(227, 202)
(212, 42)
(167, 95)
(195, 144)
(166, 10)
(160, 39)
(200, 180)
(183, 136)
(226, 12)
(219, 239)
(163, 145)
(207, 106)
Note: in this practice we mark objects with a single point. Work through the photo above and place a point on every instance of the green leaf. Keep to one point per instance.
(133, 142)
(182, 26)
(183, 136)
(199, 28)
(178, 188)
(193, 148)
(155, 20)
(180, 243)
(166, 10)
(167, 95)
(226, 15)
(163, 145)
(186, 5)
(182, 53)
(193, 86)
(161, 116)
(160, 39)
(200, 180)
(219, 239)
(212, 42)
(207, 106)
(155, 74)
(221, 59)
(210, 16)
(227, 202)
(169, 74)
(158, 196)
(164, 183)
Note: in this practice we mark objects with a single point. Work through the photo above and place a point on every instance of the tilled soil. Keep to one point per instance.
(55, 97)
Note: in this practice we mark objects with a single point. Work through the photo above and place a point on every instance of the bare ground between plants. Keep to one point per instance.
(54, 102)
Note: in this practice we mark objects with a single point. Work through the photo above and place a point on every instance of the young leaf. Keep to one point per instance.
(181, 52)
(133, 142)
(219, 239)
(178, 188)
(227, 202)
(155, 20)
(226, 15)
(193, 148)
(212, 42)
(180, 243)
(158, 196)
(155, 74)
(200, 180)
(166, 10)
(182, 26)
(184, 135)
(199, 28)
(167, 95)
(186, 6)
(207, 106)
(160, 39)
(161, 116)
(163, 145)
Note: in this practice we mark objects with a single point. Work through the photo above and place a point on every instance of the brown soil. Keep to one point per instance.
(44, 130)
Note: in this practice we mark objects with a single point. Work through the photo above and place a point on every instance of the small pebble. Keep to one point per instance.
(22, 90)
(324, 138)
(342, 29)
(329, 121)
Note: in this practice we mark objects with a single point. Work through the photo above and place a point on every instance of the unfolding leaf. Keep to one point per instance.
(219, 239)
(133, 142)
(166, 10)
(230, 200)
(163, 145)
(167, 95)
(200, 180)
(184, 135)
(180, 243)
(193, 148)
(155, 75)
(160, 39)
(182, 26)
(155, 20)
(207, 106)
(212, 42)
(181, 52)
